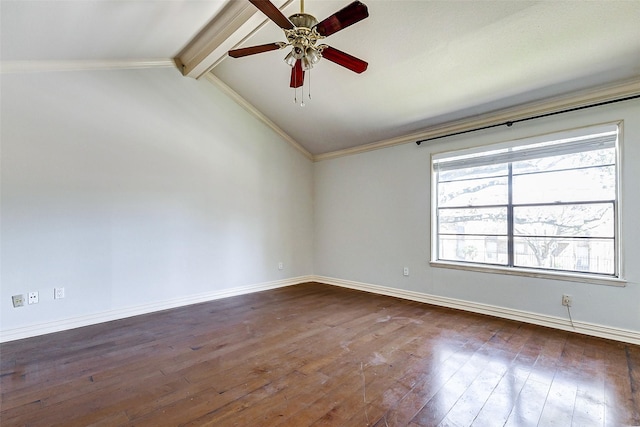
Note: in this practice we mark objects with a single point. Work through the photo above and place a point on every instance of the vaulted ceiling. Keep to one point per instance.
(430, 62)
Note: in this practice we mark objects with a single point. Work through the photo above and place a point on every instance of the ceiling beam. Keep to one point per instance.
(231, 26)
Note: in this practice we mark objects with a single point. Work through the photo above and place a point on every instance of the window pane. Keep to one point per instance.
(473, 172)
(548, 202)
(473, 192)
(597, 183)
(473, 221)
(585, 255)
(567, 161)
(596, 220)
(477, 249)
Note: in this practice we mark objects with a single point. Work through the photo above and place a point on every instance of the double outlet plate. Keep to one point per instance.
(32, 298)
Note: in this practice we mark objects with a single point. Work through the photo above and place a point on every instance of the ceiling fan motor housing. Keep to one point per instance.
(303, 20)
(304, 35)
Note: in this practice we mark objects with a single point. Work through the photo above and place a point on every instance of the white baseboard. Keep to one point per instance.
(107, 316)
(591, 329)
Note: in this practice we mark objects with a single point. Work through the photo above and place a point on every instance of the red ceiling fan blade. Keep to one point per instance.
(273, 13)
(246, 51)
(351, 14)
(341, 58)
(297, 75)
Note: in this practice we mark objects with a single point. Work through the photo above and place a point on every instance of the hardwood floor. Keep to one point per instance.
(318, 355)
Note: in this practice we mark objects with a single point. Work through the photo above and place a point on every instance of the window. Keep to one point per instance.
(543, 204)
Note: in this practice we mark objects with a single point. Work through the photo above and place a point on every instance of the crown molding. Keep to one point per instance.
(81, 65)
(609, 92)
(256, 113)
(578, 99)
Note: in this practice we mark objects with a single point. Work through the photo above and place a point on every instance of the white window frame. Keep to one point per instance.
(616, 279)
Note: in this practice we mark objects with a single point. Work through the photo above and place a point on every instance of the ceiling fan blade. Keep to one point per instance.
(349, 15)
(341, 58)
(297, 75)
(273, 13)
(246, 51)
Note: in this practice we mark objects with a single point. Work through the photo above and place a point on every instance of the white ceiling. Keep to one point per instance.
(75, 30)
(434, 61)
(430, 62)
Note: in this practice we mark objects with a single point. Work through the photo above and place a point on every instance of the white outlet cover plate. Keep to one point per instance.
(33, 298)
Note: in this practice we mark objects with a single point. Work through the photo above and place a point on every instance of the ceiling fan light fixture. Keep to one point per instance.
(298, 50)
(306, 64)
(313, 55)
(290, 59)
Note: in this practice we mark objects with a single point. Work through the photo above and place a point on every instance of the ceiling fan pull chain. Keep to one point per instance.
(295, 88)
(309, 84)
(302, 104)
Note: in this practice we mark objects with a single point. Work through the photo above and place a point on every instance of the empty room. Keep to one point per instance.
(319, 213)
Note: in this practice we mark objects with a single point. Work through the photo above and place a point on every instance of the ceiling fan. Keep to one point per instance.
(303, 31)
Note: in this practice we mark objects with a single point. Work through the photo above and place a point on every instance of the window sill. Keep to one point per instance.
(569, 277)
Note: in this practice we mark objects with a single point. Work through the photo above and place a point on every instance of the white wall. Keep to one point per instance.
(139, 186)
(373, 217)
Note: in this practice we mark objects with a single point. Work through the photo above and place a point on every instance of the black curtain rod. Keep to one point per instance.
(539, 116)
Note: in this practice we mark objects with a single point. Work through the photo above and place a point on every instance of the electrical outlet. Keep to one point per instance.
(58, 293)
(280, 265)
(18, 300)
(406, 271)
(34, 298)
(566, 300)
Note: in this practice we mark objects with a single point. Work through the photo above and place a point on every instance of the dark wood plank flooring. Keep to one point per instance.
(318, 355)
